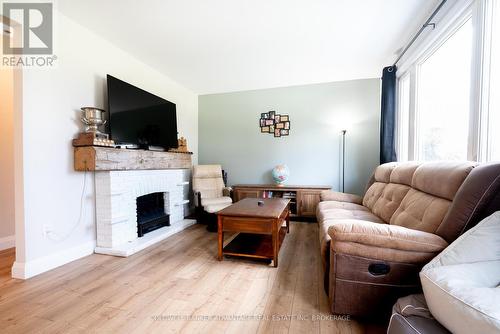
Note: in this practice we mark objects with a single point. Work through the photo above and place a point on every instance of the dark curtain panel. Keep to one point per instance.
(388, 116)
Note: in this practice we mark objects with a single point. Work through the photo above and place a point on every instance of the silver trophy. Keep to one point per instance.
(92, 118)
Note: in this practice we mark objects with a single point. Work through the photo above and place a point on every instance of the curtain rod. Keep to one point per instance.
(426, 24)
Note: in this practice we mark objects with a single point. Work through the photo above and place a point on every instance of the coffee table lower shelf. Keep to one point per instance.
(257, 246)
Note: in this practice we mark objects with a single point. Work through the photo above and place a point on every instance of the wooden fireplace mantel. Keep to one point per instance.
(94, 158)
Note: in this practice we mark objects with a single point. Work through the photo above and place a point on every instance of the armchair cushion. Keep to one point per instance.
(386, 236)
(207, 180)
(213, 208)
(215, 201)
(328, 195)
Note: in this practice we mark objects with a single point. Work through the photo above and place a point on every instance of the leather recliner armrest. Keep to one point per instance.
(329, 195)
(385, 236)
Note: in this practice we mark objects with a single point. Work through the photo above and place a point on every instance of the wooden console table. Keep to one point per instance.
(303, 199)
(95, 158)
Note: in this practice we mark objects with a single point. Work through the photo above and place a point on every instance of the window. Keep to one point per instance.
(443, 99)
(449, 87)
(403, 123)
(494, 86)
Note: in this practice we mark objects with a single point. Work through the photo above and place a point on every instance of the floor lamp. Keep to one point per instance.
(343, 160)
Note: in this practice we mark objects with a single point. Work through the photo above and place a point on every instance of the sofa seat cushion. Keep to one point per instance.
(330, 210)
(359, 212)
(462, 284)
(327, 205)
(384, 242)
(216, 201)
(329, 195)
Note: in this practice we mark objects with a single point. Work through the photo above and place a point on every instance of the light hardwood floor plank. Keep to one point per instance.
(176, 286)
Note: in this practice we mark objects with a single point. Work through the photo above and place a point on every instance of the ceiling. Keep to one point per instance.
(212, 46)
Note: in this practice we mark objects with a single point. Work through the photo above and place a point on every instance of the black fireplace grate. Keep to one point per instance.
(151, 213)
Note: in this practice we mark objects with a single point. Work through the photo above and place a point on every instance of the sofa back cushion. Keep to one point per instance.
(391, 184)
(434, 185)
(445, 198)
(441, 179)
(390, 200)
(420, 211)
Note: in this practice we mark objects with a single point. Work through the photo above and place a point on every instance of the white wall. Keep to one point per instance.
(7, 220)
(51, 102)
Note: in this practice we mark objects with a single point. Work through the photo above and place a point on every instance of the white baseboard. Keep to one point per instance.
(25, 270)
(7, 242)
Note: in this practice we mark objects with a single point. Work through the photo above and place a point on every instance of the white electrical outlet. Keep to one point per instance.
(46, 229)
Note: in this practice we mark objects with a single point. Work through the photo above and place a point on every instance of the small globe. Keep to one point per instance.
(280, 174)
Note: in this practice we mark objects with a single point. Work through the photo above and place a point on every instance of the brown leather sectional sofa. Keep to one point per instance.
(373, 247)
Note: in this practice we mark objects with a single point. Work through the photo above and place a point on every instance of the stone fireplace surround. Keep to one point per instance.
(116, 216)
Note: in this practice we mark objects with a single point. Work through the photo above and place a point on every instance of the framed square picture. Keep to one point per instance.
(277, 118)
(277, 132)
(287, 125)
(284, 132)
(284, 118)
(264, 115)
(269, 122)
(280, 125)
(271, 114)
(264, 129)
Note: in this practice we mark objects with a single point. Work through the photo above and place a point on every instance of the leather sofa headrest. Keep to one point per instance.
(441, 178)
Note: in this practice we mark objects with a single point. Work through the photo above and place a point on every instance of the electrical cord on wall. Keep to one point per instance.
(51, 235)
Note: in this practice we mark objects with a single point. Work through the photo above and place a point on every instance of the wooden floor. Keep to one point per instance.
(175, 286)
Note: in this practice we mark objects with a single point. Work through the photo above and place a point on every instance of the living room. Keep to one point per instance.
(265, 166)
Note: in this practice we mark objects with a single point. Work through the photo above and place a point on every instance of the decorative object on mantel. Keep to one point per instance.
(280, 174)
(93, 139)
(181, 146)
(276, 124)
(92, 118)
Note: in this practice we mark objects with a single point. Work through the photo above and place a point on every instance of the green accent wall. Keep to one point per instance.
(229, 133)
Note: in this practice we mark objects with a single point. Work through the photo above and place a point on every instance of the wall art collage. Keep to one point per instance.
(275, 124)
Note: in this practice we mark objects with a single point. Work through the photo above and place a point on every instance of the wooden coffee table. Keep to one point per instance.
(259, 228)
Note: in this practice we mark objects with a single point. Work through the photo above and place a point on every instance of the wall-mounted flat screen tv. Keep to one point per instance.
(137, 117)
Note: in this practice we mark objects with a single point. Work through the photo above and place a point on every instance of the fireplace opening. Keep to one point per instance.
(151, 213)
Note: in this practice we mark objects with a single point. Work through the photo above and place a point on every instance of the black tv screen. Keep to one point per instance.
(140, 118)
